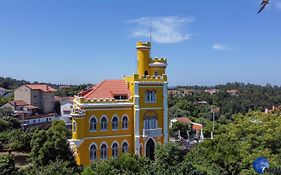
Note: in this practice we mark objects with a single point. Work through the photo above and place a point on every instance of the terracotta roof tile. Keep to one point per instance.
(183, 120)
(107, 89)
(18, 103)
(42, 87)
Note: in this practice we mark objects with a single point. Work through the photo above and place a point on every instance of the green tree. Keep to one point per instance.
(125, 164)
(7, 165)
(168, 158)
(51, 146)
(53, 168)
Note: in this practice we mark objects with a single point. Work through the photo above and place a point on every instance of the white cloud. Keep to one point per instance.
(171, 29)
(219, 46)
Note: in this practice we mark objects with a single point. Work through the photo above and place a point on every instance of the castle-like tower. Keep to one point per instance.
(128, 115)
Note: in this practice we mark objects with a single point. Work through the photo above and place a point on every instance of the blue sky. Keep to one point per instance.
(206, 42)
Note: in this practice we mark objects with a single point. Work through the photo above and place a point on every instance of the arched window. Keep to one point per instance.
(115, 122)
(125, 122)
(93, 152)
(74, 126)
(115, 150)
(103, 124)
(156, 73)
(145, 73)
(93, 124)
(150, 96)
(125, 147)
(150, 120)
(103, 151)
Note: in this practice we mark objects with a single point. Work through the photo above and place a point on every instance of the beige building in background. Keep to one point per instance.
(39, 95)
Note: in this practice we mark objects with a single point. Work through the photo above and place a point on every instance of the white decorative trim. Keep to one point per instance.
(106, 109)
(113, 143)
(165, 105)
(115, 115)
(85, 105)
(150, 82)
(125, 115)
(93, 143)
(103, 117)
(137, 117)
(104, 142)
(124, 142)
(154, 108)
(93, 117)
(104, 137)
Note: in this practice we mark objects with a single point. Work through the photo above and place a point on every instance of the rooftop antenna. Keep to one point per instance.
(150, 29)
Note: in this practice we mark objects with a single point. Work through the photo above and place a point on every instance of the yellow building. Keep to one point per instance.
(128, 115)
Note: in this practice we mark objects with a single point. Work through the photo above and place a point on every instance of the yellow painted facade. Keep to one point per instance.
(96, 135)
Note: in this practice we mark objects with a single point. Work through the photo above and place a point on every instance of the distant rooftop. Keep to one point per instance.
(42, 87)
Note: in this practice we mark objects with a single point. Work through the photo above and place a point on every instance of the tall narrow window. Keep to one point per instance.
(103, 123)
(115, 122)
(93, 124)
(93, 152)
(103, 151)
(150, 123)
(115, 150)
(125, 147)
(125, 122)
(74, 126)
(150, 96)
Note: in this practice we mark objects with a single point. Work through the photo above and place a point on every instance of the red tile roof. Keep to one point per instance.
(107, 89)
(197, 126)
(42, 87)
(18, 103)
(183, 120)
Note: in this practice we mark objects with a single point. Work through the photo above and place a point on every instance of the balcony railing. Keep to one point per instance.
(152, 132)
(77, 113)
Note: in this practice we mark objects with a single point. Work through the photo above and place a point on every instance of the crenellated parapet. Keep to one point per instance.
(147, 78)
(158, 60)
(79, 99)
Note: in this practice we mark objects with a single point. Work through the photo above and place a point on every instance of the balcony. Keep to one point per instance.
(152, 132)
(78, 113)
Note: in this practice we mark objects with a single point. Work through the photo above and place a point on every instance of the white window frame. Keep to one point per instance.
(90, 151)
(112, 122)
(150, 96)
(102, 124)
(115, 151)
(127, 122)
(127, 148)
(103, 152)
(90, 124)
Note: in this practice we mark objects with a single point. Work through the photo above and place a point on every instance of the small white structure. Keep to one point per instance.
(195, 126)
(66, 106)
(3, 91)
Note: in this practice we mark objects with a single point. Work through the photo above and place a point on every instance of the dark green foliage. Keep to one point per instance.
(126, 164)
(71, 90)
(53, 168)
(248, 97)
(51, 145)
(7, 165)
(237, 144)
(183, 128)
(168, 158)
(8, 123)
